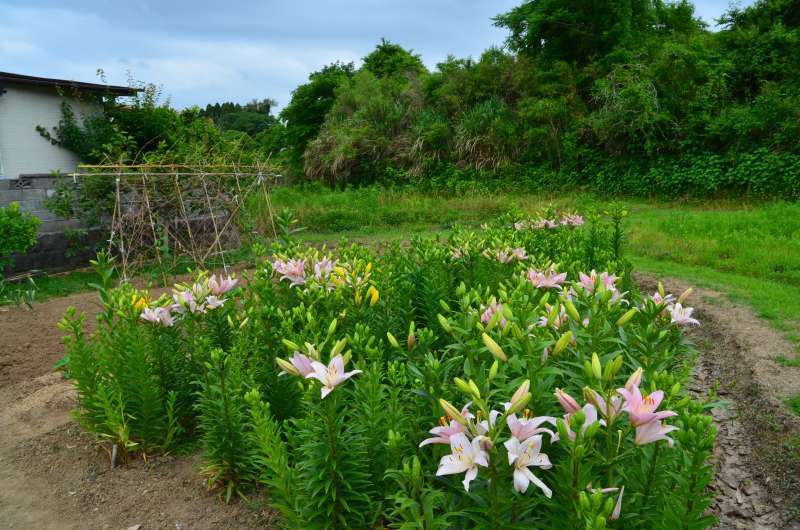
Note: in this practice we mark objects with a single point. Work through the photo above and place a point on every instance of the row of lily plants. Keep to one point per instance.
(504, 377)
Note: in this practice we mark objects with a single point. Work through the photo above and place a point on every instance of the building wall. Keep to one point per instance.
(22, 149)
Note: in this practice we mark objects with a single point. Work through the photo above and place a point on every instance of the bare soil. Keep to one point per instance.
(758, 439)
(52, 476)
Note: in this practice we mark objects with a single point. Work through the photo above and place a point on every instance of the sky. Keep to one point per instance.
(202, 51)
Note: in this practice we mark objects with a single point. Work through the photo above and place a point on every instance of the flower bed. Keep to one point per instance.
(492, 379)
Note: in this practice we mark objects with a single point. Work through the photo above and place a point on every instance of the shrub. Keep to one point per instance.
(17, 233)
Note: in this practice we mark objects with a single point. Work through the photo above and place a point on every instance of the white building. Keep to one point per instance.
(28, 102)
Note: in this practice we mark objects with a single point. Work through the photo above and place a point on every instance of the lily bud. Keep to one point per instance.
(675, 389)
(617, 362)
(392, 340)
(572, 311)
(634, 380)
(544, 299)
(444, 305)
(462, 385)
(332, 327)
(566, 401)
(661, 290)
(461, 289)
(452, 412)
(474, 390)
(368, 269)
(338, 347)
(587, 369)
(521, 391)
(286, 366)
(520, 404)
(684, 295)
(244, 322)
(597, 368)
(562, 342)
(493, 370)
(291, 345)
(626, 317)
(494, 348)
(411, 341)
(444, 323)
(373, 295)
(346, 357)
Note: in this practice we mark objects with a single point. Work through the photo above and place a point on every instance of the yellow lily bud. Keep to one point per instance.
(286, 366)
(597, 368)
(346, 357)
(521, 391)
(373, 298)
(474, 390)
(444, 323)
(661, 290)
(572, 311)
(626, 317)
(493, 370)
(338, 347)
(392, 340)
(494, 348)
(562, 342)
(452, 412)
(684, 295)
(291, 345)
(368, 269)
(462, 385)
(520, 404)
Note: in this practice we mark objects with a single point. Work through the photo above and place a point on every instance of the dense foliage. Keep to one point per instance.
(557, 390)
(631, 96)
(17, 233)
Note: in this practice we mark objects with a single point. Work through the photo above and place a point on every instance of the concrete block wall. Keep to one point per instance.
(53, 250)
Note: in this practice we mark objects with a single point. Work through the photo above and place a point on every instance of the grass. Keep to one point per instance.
(748, 250)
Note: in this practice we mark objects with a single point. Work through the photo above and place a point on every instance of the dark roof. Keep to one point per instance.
(65, 83)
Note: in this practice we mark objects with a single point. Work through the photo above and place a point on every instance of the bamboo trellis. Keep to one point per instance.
(166, 212)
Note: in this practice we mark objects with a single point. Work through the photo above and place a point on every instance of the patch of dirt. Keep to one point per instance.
(53, 476)
(758, 438)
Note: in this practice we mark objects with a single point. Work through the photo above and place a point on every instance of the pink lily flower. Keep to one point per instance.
(654, 431)
(558, 322)
(572, 220)
(465, 458)
(323, 268)
(545, 223)
(523, 455)
(547, 279)
(662, 300)
(642, 409)
(609, 410)
(221, 286)
(682, 316)
(330, 376)
(524, 428)
(292, 270)
(606, 280)
(158, 315)
(302, 364)
(520, 225)
(184, 300)
(519, 253)
(444, 433)
(590, 413)
(213, 302)
(490, 311)
(504, 256)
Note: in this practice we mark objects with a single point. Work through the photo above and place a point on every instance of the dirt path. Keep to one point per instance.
(54, 477)
(758, 439)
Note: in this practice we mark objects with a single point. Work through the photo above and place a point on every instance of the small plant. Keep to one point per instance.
(17, 233)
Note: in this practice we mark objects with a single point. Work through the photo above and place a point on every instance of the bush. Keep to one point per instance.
(17, 233)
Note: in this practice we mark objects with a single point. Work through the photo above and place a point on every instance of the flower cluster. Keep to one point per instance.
(506, 255)
(310, 367)
(203, 295)
(471, 440)
(678, 313)
(544, 223)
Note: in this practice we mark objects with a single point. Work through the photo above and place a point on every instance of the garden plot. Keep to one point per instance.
(477, 327)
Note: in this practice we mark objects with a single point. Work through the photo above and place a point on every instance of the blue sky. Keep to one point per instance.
(204, 51)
